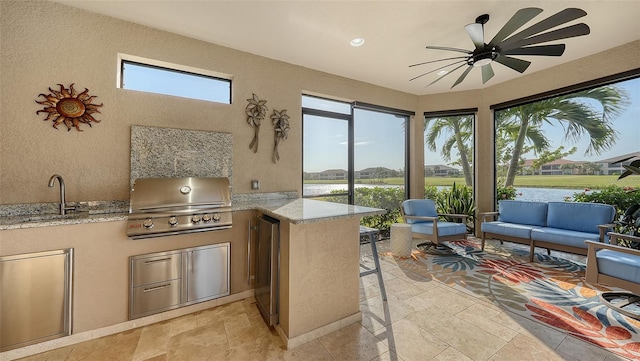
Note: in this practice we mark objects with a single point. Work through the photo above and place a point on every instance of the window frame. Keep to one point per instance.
(171, 67)
(350, 118)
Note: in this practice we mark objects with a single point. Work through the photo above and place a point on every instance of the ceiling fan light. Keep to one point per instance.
(356, 42)
(482, 62)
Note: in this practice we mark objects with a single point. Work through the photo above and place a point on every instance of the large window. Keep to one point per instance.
(171, 79)
(550, 149)
(354, 153)
(449, 161)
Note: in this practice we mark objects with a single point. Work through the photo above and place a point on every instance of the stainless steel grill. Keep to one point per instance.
(169, 206)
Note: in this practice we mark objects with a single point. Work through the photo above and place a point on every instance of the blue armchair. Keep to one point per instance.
(426, 223)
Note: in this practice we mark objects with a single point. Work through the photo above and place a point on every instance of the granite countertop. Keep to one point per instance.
(294, 210)
(300, 210)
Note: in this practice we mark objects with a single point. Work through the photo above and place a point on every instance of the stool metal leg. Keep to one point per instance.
(376, 261)
(371, 233)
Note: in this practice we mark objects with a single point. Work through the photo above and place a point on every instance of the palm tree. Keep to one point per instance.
(460, 130)
(574, 112)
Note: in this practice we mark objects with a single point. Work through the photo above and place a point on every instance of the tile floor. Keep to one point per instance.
(422, 320)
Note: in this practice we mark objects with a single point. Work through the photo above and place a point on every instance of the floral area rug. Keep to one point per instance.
(550, 290)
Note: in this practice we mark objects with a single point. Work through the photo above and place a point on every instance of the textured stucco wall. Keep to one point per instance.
(43, 44)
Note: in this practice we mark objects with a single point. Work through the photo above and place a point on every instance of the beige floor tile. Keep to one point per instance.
(582, 350)
(400, 289)
(389, 356)
(353, 343)
(376, 313)
(410, 341)
(153, 341)
(118, 347)
(549, 336)
(451, 300)
(525, 348)
(482, 317)
(451, 354)
(369, 292)
(467, 338)
(182, 324)
(162, 357)
(59, 354)
(312, 351)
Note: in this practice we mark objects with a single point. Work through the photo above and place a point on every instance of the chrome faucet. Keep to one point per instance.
(63, 207)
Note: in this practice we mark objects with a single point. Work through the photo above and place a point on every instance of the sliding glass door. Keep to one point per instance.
(354, 153)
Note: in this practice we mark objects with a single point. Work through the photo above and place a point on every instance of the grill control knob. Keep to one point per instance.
(206, 218)
(173, 221)
(148, 223)
(216, 217)
(196, 219)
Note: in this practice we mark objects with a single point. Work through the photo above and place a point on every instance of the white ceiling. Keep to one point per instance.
(316, 34)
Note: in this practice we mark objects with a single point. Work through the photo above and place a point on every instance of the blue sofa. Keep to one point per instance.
(613, 265)
(561, 226)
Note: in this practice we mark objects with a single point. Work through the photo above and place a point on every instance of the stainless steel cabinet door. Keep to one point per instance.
(35, 297)
(207, 272)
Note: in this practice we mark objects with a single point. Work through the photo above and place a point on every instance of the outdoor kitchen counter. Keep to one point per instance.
(301, 211)
(319, 266)
(293, 210)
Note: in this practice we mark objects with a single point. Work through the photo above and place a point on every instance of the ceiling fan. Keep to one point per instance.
(503, 45)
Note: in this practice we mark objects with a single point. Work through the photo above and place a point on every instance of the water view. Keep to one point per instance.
(524, 194)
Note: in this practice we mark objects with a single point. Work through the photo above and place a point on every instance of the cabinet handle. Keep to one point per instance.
(249, 254)
(191, 261)
(157, 260)
(156, 287)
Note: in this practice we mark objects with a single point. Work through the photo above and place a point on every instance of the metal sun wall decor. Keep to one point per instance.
(280, 121)
(69, 107)
(256, 111)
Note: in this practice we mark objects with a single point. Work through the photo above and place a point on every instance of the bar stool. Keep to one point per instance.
(371, 233)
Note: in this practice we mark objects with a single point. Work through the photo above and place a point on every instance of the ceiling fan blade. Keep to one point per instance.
(458, 67)
(462, 76)
(449, 49)
(518, 19)
(476, 33)
(560, 18)
(546, 50)
(434, 70)
(563, 33)
(487, 73)
(513, 63)
(435, 61)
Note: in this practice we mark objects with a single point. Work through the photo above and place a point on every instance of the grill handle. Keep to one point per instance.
(184, 205)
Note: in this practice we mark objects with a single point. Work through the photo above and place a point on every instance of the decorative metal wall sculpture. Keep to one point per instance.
(68, 107)
(280, 121)
(256, 111)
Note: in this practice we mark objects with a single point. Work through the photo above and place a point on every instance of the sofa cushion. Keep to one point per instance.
(444, 228)
(620, 265)
(563, 236)
(579, 216)
(507, 229)
(419, 207)
(523, 212)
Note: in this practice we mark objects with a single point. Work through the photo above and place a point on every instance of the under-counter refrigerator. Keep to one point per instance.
(267, 268)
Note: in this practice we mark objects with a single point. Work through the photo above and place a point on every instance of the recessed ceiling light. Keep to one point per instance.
(442, 72)
(357, 41)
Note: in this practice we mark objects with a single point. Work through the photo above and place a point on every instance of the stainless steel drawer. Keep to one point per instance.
(158, 268)
(155, 297)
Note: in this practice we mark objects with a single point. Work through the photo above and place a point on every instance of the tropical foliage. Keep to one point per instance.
(519, 128)
(519, 131)
(459, 131)
(458, 200)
